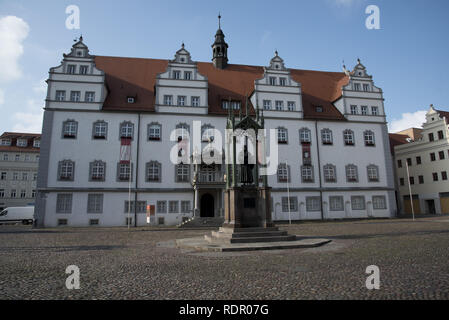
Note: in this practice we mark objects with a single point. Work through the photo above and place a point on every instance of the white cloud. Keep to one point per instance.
(28, 122)
(408, 120)
(40, 87)
(13, 31)
(2, 97)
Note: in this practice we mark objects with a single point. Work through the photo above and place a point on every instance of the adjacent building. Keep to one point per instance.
(334, 159)
(425, 151)
(19, 159)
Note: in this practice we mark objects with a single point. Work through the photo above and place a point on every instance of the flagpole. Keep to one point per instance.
(410, 190)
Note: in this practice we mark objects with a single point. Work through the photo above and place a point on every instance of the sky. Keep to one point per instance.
(407, 55)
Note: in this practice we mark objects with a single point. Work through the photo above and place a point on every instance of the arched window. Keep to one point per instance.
(305, 135)
(66, 170)
(351, 173)
(207, 133)
(126, 129)
(326, 136)
(153, 170)
(97, 171)
(100, 130)
(69, 129)
(282, 135)
(330, 173)
(368, 136)
(283, 173)
(348, 137)
(373, 173)
(154, 131)
(182, 131)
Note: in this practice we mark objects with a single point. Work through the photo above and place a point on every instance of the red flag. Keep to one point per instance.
(125, 150)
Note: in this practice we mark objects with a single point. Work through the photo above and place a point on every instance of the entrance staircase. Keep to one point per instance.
(199, 222)
(249, 235)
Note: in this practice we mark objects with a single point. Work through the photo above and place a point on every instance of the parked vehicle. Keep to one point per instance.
(17, 214)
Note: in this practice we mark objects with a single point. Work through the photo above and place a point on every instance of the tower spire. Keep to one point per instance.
(220, 48)
(219, 18)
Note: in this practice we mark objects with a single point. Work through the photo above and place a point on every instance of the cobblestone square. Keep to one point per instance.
(142, 263)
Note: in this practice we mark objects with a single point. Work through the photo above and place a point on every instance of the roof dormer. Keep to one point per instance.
(359, 71)
(182, 56)
(79, 50)
(276, 63)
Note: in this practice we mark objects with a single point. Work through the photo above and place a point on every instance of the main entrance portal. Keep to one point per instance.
(207, 206)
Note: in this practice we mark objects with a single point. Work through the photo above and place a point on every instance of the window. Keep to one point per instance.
(313, 204)
(409, 161)
(182, 131)
(90, 96)
(379, 202)
(34, 176)
(15, 176)
(5, 157)
(62, 222)
(282, 81)
(282, 135)
(23, 194)
(33, 193)
(69, 129)
(3, 175)
(17, 157)
(154, 131)
(272, 81)
(100, 130)
(330, 173)
(431, 138)
(13, 193)
(2, 193)
(181, 101)
(441, 155)
(97, 171)
(64, 203)
(348, 137)
(435, 176)
(37, 143)
(187, 75)
(95, 203)
(304, 135)
(126, 130)
(421, 179)
(418, 160)
(399, 163)
(336, 203)
(153, 169)
(207, 133)
(364, 110)
(66, 170)
(374, 111)
(130, 99)
(279, 105)
(24, 176)
(369, 138)
(161, 206)
(307, 173)
(293, 204)
(195, 101)
(326, 136)
(6, 142)
(351, 173)
(357, 86)
(267, 104)
(182, 172)
(401, 181)
(173, 206)
(168, 100)
(443, 175)
(176, 74)
(291, 106)
(235, 105)
(71, 68)
(130, 207)
(373, 173)
(225, 104)
(94, 222)
(354, 109)
(124, 172)
(440, 135)
(185, 206)
(412, 180)
(75, 96)
(432, 157)
(83, 69)
(365, 87)
(283, 173)
(318, 109)
(358, 202)
(60, 95)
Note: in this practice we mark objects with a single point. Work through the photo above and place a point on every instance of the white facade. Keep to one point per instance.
(80, 200)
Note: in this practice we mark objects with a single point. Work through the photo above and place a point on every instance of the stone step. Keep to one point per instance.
(257, 234)
(248, 230)
(212, 239)
(203, 222)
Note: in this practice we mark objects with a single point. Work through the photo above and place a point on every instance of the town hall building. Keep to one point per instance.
(333, 159)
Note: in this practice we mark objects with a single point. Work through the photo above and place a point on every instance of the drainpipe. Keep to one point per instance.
(319, 168)
(137, 170)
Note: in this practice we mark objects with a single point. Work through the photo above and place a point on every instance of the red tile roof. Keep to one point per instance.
(17, 135)
(444, 114)
(137, 77)
(397, 139)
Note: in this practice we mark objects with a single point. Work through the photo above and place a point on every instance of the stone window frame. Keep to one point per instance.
(176, 74)
(341, 201)
(267, 104)
(60, 95)
(177, 176)
(354, 109)
(293, 204)
(348, 133)
(154, 138)
(190, 77)
(122, 125)
(279, 105)
(91, 170)
(364, 110)
(376, 203)
(84, 68)
(282, 135)
(305, 179)
(118, 172)
(87, 94)
(287, 168)
(327, 178)
(310, 208)
(95, 203)
(153, 165)
(183, 206)
(69, 134)
(329, 141)
(353, 203)
(94, 131)
(61, 165)
(71, 69)
(369, 138)
(374, 110)
(305, 135)
(64, 203)
(347, 170)
(168, 100)
(195, 104)
(159, 208)
(178, 102)
(372, 167)
(175, 209)
(141, 206)
(75, 96)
